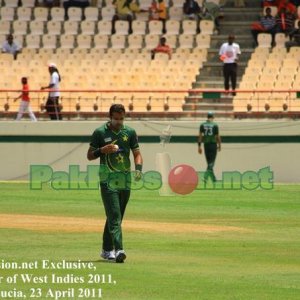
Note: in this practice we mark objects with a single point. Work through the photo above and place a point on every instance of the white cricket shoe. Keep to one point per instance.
(109, 255)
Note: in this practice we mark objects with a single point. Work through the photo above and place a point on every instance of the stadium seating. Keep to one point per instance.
(7, 13)
(11, 3)
(57, 14)
(266, 73)
(54, 27)
(5, 27)
(123, 60)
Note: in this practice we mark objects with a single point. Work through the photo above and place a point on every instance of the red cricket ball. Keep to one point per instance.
(183, 179)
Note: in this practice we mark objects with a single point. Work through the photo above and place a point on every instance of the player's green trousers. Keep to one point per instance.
(210, 150)
(115, 202)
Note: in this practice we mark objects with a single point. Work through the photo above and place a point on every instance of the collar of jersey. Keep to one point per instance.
(107, 127)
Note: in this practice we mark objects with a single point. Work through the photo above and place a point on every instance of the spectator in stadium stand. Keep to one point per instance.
(213, 11)
(267, 24)
(285, 21)
(125, 10)
(162, 47)
(158, 11)
(294, 38)
(9, 46)
(75, 3)
(287, 5)
(229, 54)
(192, 11)
(153, 11)
(52, 105)
(25, 100)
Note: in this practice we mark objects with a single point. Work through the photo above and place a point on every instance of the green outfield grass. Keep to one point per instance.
(261, 261)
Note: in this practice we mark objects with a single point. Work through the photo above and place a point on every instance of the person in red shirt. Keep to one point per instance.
(158, 11)
(25, 99)
(285, 21)
(153, 11)
(162, 47)
(287, 5)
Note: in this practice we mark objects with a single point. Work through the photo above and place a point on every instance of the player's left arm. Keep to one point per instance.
(218, 137)
(138, 162)
(137, 156)
(138, 159)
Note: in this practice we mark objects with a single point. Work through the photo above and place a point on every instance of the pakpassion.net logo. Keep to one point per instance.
(182, 179)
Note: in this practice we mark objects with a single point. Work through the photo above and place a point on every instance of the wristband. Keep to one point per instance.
(138, 167)
(97, 153)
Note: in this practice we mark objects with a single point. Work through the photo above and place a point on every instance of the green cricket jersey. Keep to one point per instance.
(209, 131)
(126, 139)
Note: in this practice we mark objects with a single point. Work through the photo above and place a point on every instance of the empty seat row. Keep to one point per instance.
(115, 41)
(43, 14)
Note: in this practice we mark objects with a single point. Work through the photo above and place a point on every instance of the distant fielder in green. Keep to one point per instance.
(112, 142)
(210, 137)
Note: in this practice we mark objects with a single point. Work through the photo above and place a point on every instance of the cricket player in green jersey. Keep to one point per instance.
(112, 142)
(210, 137)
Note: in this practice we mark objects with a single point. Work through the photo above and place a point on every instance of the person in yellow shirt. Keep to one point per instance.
(162, 13)
(125, 10)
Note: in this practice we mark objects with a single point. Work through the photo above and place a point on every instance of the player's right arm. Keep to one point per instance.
(94, 153)
(200, 139)
(97, 147)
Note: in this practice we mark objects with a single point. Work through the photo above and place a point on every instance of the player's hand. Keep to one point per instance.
(200, 150)
(137, 175)
(108, 149)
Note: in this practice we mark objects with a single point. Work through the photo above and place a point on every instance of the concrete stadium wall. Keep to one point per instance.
(271, 143)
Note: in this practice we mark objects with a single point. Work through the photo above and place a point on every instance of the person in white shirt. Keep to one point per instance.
(9, 46)
(52, 105)
(229, 54)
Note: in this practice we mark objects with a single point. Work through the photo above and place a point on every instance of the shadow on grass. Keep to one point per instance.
(93, 261)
